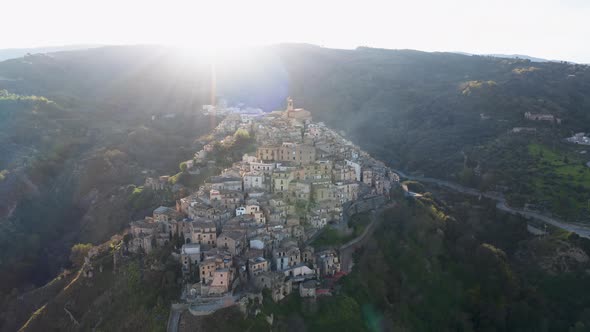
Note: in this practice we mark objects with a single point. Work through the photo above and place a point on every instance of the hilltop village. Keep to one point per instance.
(251, 227)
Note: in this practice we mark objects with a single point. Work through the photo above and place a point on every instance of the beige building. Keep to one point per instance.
(307, 288)
(145, 234)
(300, 190)
(226, 199)
(368, 177)
(190, 256)
(257, 266)
(297, 113)
(213, 261)
(328, 262)
(253, 180)
(224, 183)
(203, 232)
(220, 283)
(276, 282)
(267, 153)
(164, 213)
(320, 169)
(324, 192)
(287, 255)
(262, 167)
(281, 180)
(297, 153)
(291, 152)
(232, 242)
(160, 183)
(347, 191)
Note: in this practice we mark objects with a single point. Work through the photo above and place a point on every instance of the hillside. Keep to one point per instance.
(68, 176)
(13, 53)
(77, 134)
(435, 113)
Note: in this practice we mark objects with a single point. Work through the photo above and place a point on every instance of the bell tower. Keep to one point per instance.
(289, 104)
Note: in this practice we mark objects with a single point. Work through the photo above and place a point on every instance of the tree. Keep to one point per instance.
(241, 134)
(3, 174)
(183, 166)
(79, 252)
(126, 239)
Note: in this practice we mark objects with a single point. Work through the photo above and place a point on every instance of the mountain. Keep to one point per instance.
(80, 130)
(442, 114)
(13, 53)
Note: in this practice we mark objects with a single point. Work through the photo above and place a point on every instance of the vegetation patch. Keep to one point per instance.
(468, 87)
(524, 70)
(3, 175)
(330, 237)
(561, 179)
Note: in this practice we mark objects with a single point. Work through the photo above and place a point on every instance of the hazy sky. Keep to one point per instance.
(553, 29)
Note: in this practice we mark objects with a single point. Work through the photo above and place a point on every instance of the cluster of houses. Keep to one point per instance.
(542, 117)
(249, 228)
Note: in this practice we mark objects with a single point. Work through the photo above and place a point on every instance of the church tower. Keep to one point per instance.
(289, 104)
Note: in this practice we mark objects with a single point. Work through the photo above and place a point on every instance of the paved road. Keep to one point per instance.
(582, 231)
(349, 248)
(174, 318)
(346, 250)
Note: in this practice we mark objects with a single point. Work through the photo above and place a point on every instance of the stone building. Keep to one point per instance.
(287, 152)
(159, 183)
(253, 180)
(190, 256)
(233, 242)
(307, 288)
(203, 232)
(328, 262)
(257, 266)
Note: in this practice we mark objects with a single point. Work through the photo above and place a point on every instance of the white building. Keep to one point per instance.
(190, 254)
(253, 180)
(262, 167)
(357, 168)
(256, 244)
(240, 211)
(299, 270)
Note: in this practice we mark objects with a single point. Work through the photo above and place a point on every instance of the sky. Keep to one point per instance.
(550, 29)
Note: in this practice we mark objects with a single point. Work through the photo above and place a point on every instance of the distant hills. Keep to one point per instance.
(520, 56)
(12, 53)
(511, 56)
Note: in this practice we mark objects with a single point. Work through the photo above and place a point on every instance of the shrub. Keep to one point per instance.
(78, 252)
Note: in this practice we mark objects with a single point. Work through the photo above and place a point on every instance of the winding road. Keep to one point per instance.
(582, 231)
(347, 249)
(174, 317)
